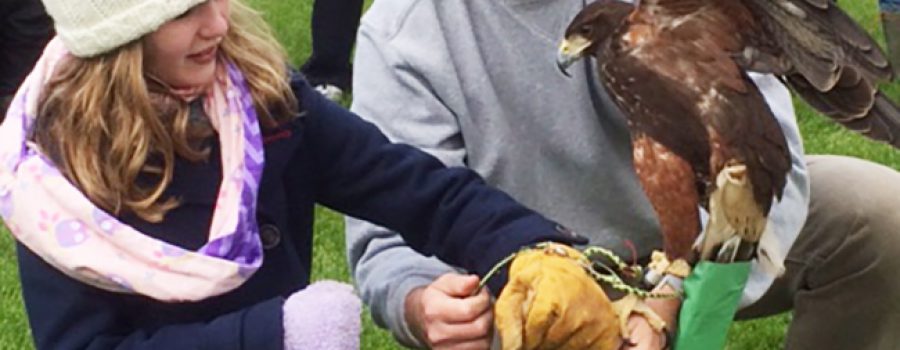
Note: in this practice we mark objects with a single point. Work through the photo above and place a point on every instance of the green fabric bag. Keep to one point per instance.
(712, 292)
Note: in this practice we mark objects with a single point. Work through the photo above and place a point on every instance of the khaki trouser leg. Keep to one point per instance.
(843, 273)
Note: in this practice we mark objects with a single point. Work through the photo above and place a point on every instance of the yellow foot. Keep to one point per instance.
(655, 321)
(660, 265)
(623, 308)
(630, 304)
(679, 268)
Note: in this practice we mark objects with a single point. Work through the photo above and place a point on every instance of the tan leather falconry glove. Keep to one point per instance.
(550, 302)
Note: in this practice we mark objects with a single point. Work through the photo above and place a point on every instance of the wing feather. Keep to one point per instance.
(689, 81)
(833, 63)
(671, 7)
(681, 120)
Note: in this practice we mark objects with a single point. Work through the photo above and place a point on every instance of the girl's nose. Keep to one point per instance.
(214, 14)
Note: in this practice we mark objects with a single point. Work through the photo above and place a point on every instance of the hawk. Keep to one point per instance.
(702, 133)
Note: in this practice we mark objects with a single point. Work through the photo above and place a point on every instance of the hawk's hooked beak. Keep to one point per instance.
(571, 49)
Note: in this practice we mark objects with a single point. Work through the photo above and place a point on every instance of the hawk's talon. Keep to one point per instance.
(623, 308)
(632, 304)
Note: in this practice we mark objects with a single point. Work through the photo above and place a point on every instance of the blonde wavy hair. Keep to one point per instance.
(101, 125)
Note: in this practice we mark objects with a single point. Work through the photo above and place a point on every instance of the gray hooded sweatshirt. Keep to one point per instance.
(474, 82)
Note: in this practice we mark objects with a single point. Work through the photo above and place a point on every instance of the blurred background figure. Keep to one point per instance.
(890, 19)
(24, 30)
(334, 24)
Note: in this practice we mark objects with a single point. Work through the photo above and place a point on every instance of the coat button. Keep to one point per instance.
(270, 236)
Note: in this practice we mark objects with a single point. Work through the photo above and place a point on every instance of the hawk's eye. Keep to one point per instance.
(585, 29)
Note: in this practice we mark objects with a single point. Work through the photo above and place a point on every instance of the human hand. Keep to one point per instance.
(642, 335)
(551, 302)
(325, 315)
(445, 315)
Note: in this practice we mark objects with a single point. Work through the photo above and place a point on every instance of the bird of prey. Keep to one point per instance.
(702, 133)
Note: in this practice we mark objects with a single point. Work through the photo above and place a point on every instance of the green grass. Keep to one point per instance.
(821, 136)
(291, 22)
(14, 331)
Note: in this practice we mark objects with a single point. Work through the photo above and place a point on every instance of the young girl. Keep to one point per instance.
(159, 170)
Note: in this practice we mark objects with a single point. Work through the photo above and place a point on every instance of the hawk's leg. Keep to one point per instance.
(729, 251)
(736, 220)
(630, 304)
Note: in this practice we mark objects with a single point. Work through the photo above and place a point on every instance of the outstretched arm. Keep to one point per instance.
(400, 285)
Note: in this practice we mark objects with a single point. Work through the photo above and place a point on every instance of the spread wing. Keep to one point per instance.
(830, 61)
(820, 41)
(822, 54)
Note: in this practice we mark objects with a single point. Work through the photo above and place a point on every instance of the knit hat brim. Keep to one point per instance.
(89, 28)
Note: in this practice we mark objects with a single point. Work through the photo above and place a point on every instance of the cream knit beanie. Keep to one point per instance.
(92, 27)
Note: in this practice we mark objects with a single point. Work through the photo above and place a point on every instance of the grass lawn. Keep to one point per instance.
(291, 21)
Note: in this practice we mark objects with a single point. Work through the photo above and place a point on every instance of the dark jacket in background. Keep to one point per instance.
(327, 156)
(334, 24)
(25, 29)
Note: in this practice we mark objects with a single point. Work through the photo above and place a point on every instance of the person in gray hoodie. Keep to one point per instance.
(476, 84)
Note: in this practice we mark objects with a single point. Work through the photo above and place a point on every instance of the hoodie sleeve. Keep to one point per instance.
(787, 216)
(384, 267)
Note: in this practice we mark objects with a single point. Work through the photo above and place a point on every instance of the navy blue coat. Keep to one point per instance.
(327, 156)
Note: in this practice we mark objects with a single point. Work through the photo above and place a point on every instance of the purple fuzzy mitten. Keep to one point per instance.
(324, 316)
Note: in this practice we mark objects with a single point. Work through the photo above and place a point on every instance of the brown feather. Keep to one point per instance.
(677, 69)
(668, 181)
(678, 84)
(834, 64)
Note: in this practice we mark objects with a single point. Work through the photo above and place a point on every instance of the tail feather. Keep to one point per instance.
(855, 104)
(888, 113)
(882, 123)
(835, 65)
